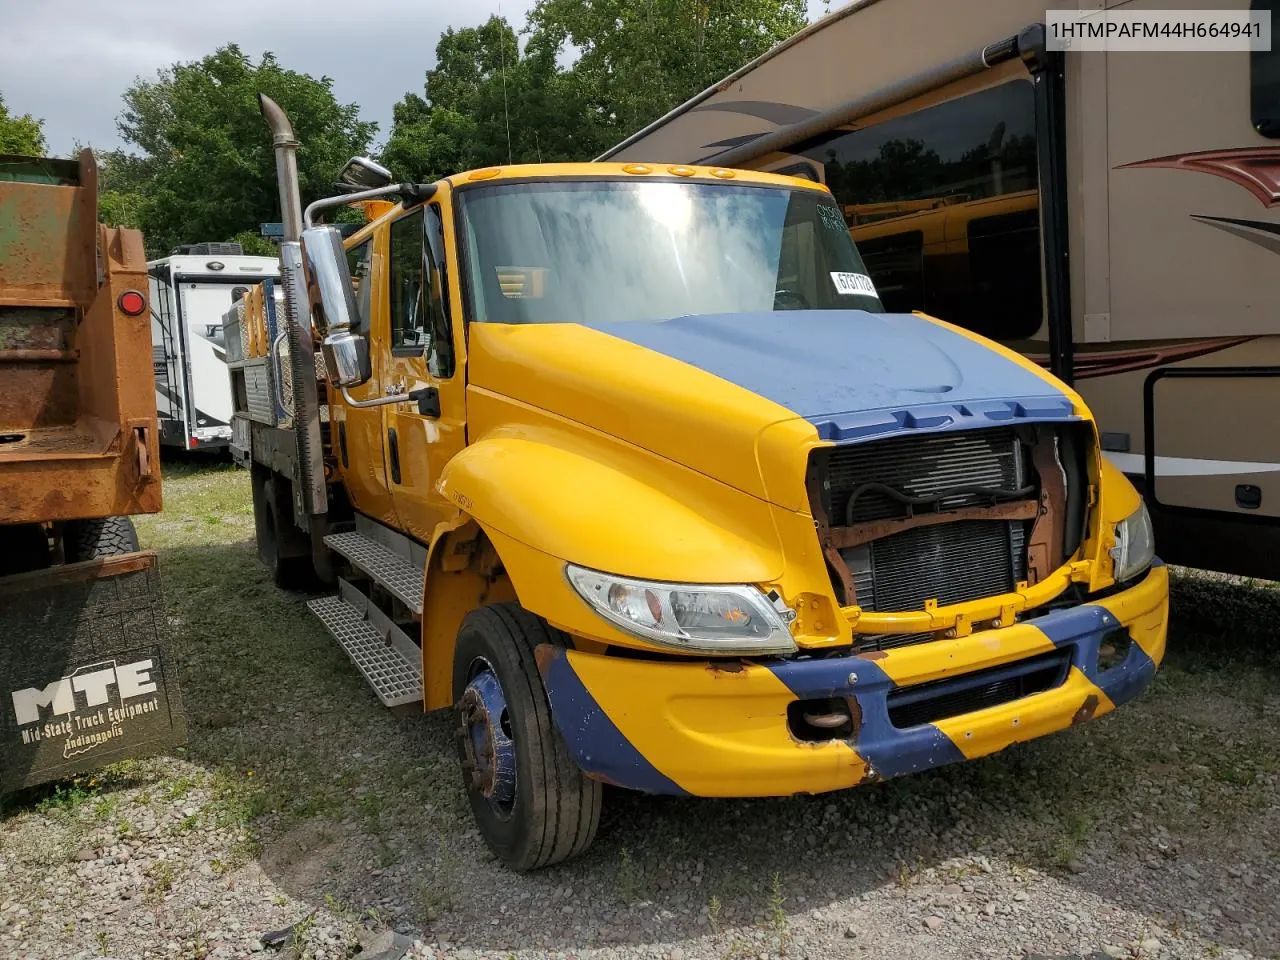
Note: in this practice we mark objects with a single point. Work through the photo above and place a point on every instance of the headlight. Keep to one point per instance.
(1135, 544)
(706, 619)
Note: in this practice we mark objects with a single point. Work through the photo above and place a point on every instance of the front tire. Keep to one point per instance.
(532, 803)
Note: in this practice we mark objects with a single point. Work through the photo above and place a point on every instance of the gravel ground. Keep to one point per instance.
(303, 812)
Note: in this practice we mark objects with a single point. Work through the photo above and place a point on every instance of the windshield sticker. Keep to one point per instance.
(854, 284)
(831, 218)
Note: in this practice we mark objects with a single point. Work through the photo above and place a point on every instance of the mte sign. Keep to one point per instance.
(94, 684)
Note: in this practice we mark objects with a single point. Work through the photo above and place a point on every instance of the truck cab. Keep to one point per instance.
(627, 466)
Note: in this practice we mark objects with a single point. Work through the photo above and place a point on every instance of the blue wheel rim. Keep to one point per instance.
(490, 753)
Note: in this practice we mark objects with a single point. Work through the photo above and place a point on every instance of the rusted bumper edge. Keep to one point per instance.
(721, 729)
(87, 675)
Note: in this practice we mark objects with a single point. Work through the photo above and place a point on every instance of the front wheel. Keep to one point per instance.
(532, 803)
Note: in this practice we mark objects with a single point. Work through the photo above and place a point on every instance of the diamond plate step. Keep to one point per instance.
(373, 646)
(387, 567)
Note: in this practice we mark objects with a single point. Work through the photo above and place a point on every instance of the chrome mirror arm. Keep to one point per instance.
(416, 191)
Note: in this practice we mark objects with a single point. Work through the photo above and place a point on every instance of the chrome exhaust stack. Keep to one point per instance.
(286, 147)
(314, 499)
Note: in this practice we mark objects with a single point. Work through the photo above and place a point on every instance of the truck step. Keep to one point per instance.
(381, 651)
(400, 577)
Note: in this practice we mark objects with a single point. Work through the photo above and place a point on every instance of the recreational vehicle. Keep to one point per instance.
(191, 290)
(1112, 215)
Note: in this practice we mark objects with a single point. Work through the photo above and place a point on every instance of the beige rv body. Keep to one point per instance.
(1172, 223)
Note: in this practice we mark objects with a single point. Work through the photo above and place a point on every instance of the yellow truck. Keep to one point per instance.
(85, 674)
(626, 465)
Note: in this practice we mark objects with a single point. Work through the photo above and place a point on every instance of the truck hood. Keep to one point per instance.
(701, 390)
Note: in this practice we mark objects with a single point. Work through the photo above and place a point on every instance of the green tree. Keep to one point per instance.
(22, 135)
(200, 164)
(639, 58)
(485, 102)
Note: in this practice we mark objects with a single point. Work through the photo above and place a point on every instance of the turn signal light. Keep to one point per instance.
(131, 303)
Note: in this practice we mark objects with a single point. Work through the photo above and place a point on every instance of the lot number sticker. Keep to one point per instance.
(853, 284)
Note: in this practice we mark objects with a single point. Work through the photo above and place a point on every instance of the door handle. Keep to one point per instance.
(428, 401)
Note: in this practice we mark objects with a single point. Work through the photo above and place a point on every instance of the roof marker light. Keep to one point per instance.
(636, 168)
(682, 171)
(722, 173)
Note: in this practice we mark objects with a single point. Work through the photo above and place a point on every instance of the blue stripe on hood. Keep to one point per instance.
(854, 374)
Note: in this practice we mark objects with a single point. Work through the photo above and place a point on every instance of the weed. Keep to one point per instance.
(104, 945)
(104, 807)
(177, 788)
(66, 796)
(300, 931)
(436, 893)
(629, 878)
(777, 915)
(715, 914)
(371, 807)
(161, 875)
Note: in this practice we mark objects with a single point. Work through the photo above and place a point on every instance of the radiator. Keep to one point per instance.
(948, 562)
(921, 467)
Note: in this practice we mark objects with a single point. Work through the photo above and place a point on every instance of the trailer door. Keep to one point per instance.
(204, 303)
(166, 346)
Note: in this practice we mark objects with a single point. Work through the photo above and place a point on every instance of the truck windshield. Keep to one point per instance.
(606, 251)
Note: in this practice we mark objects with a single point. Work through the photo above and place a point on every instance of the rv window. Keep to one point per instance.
(940, 174)
(897, 264)
(359, 259)
(1265, 78)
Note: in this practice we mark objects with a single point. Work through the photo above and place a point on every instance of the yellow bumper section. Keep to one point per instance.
(735, 728)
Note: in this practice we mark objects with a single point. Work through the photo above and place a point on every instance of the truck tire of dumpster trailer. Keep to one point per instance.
(282, 547)
(533, 804)
(93, 539)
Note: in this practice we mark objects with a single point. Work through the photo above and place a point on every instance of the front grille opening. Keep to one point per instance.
(889, 641)
(950, 563)
(816, 721)
(12, 437)
(1114, 649)
(953, 696)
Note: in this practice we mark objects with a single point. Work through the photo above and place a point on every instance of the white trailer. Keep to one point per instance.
(191, 291)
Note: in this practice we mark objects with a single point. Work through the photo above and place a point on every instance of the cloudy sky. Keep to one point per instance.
(69, 61)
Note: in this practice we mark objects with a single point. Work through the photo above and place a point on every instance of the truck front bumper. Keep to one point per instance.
(721, 729)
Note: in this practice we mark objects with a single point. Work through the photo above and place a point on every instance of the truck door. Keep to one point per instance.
(422, 436)
(359, 445)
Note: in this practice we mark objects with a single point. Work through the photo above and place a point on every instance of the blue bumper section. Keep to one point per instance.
(596, 743)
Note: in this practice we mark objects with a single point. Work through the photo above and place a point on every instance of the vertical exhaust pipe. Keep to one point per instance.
(286, 147)
(313, 498)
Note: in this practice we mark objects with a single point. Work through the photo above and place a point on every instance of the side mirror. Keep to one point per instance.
(361, 173)
(333, 307)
